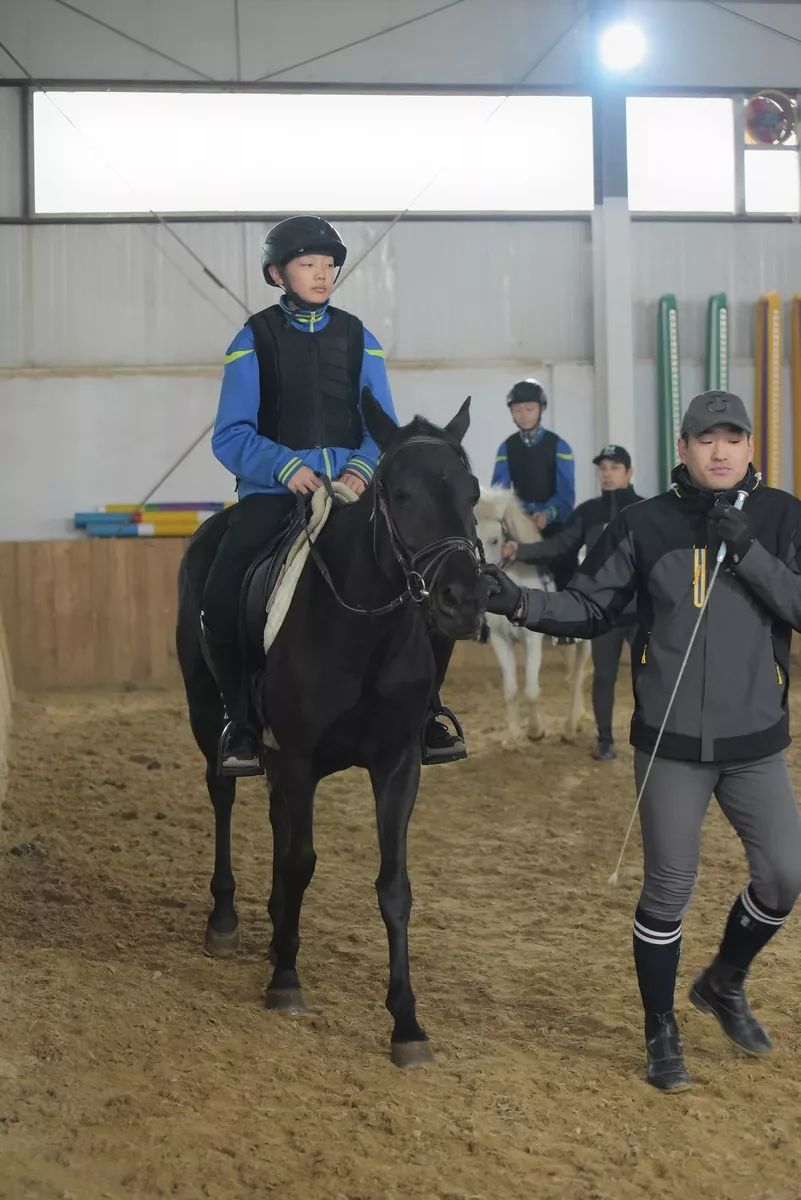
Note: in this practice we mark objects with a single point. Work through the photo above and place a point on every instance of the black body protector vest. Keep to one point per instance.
(309, 382)
(533, 468)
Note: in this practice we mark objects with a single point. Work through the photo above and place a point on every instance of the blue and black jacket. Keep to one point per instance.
(287, 402)
(540, 467)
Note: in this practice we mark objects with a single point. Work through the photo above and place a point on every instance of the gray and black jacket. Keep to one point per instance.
(583, 528)
(732, 701)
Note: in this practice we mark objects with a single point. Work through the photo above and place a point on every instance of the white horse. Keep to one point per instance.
(501, 519)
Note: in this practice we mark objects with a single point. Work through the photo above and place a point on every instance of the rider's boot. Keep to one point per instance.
(438, 743)
(240, 747)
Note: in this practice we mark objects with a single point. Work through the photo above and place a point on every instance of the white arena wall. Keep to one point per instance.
(109, 358)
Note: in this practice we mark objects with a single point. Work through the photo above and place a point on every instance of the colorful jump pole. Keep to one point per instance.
(668, 386)
(716, 366)
(768, 389)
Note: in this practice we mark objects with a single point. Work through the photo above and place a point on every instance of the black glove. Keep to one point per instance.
(504, 594)
(734, 528)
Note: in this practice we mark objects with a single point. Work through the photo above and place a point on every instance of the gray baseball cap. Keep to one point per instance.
(714, 408)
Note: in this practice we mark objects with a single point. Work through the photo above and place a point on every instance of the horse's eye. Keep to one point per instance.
(402, 496)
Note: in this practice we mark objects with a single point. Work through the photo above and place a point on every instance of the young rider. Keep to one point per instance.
(288, 415)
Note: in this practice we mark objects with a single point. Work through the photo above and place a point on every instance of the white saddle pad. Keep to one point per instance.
(279, 602)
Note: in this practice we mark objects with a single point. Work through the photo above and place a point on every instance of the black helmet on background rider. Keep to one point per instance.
(528, 391)
(299, 235)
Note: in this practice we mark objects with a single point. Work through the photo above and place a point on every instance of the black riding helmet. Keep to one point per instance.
(528, 391)
(300, 235)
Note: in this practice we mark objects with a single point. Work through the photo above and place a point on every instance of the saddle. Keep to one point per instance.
(271, 579)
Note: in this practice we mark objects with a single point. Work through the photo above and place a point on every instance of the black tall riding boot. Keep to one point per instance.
(720, 990)
(664, 1053)
(240, 747)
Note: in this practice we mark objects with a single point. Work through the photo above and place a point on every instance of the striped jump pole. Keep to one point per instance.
(768, 389)
(668, 385)
(716, 364)
(795, 385)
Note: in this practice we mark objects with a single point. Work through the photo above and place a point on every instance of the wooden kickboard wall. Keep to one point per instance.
(6, 703)
(101, 613)
(91, 612)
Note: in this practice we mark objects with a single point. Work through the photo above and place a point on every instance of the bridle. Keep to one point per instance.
(421, 568)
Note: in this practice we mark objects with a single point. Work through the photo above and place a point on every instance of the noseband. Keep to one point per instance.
(421, 568)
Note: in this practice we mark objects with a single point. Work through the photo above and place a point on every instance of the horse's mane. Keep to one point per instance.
(501, 504)
(420, 427)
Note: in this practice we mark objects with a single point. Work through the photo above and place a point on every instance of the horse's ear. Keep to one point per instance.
(379, 425)
(458, 426)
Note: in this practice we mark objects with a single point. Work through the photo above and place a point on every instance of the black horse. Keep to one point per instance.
(347, 683)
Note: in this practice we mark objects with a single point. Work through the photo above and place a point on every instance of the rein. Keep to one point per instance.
(416, 565)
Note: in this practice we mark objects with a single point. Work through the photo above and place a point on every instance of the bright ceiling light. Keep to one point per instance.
(622, 47)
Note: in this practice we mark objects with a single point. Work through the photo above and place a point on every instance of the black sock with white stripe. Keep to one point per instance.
(750, 926)
(657, 946)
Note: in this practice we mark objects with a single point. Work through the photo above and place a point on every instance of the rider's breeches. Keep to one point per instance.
(252, 524)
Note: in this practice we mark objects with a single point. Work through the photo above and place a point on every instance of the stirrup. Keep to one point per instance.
(230, 766)
(456, 748)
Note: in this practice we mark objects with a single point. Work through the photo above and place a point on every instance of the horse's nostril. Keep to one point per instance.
(451, 597)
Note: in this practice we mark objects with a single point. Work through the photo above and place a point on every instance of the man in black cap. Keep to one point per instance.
(583, 528)
(726, 731)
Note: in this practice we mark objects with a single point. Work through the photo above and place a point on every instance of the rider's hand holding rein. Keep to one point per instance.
(304, 481)
(354, 482)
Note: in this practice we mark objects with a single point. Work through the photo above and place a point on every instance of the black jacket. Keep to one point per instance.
(583, 527)
(732, 701)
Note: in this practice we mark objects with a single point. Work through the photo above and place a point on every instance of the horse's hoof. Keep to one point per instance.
(220, 945)
(412, 1054)
(536, 737)
(288, 1001)
(570, 738)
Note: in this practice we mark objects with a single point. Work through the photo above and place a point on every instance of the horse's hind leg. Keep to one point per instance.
(206, 717)
(292, 816)
(222, 927)
(395, 782)
(533, 648)
(576, 710)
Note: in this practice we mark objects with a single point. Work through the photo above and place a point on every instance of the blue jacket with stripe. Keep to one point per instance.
(262, 465)
(557, 507)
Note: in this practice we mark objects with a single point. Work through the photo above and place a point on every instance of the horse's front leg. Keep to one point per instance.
(395, 779)
(505, 654)
(279, 822)
(292, 786)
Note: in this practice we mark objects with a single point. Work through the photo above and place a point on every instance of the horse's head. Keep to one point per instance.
(425, 491)
(500, 518)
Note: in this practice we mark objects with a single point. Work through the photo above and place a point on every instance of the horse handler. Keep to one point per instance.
(583, 528)
(729, 725)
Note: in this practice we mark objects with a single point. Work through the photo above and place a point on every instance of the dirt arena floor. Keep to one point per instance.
(133, 1067)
